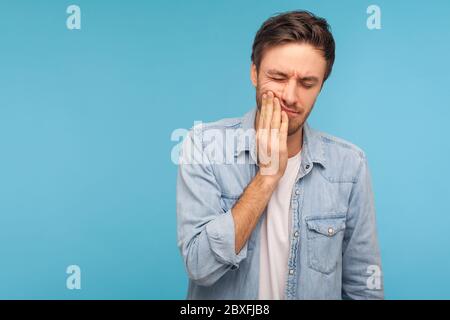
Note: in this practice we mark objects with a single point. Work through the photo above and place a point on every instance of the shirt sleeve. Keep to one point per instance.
(205, 234)
(361, 265)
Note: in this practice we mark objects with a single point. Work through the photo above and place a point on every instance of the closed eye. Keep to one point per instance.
(307, 85)
(278, 78)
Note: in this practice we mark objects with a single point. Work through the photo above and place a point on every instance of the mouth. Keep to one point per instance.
(290, 112)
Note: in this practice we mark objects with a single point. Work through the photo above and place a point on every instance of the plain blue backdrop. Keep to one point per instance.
(86, 118)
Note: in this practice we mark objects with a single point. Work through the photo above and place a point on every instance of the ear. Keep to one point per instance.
(253, 75)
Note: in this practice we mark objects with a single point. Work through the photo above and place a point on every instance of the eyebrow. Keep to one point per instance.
(274, 72)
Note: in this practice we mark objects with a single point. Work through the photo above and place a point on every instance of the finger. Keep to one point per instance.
(263, 147)
(275, 151)
(262, 111)
(284, 128)
(274, 143)
(276, 116)
(269, 110)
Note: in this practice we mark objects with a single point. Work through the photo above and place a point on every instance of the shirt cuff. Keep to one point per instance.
(221, 236)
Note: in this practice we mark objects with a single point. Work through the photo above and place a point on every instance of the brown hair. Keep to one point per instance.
(295, 26)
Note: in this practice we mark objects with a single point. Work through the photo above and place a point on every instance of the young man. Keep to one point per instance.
(297, 222)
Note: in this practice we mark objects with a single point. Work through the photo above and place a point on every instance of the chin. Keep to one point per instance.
(293, 129)
(294, 126)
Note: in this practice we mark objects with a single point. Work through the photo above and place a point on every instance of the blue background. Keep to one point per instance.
(86, 117)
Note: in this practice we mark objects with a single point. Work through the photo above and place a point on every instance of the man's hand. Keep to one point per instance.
(271, 135)
(271, 138)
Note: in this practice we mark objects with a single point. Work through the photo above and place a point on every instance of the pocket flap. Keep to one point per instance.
(328, 226)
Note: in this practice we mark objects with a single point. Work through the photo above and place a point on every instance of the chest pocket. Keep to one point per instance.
(324, 241)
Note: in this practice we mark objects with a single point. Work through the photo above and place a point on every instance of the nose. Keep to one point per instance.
(289, 94)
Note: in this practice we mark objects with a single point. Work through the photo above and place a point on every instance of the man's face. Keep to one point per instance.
(294, 73)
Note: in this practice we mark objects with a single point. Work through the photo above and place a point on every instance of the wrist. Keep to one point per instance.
(268, 180)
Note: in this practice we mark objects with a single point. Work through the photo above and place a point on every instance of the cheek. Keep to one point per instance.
(307, 97)
(268, 85)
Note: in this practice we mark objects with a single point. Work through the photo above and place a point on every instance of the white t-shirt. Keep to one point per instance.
(275, 230)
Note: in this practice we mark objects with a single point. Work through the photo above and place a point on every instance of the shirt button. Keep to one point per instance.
(297, 191)
(296, 234)
(330, 231)
(291, 271)
(307, 166)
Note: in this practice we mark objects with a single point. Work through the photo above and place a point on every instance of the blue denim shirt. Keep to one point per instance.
(333, 252)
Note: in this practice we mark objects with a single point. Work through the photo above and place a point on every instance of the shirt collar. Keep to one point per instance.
(313, 145)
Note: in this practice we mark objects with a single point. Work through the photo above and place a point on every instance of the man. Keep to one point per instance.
(299, 221)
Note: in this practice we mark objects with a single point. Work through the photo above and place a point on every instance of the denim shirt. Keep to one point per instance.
(333, 252)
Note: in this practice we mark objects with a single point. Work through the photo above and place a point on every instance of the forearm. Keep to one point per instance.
(250, 206)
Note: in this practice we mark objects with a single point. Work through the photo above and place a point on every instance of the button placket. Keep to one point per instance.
(292, 265)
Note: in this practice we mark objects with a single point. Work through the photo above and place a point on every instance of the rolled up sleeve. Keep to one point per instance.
(205, 234)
